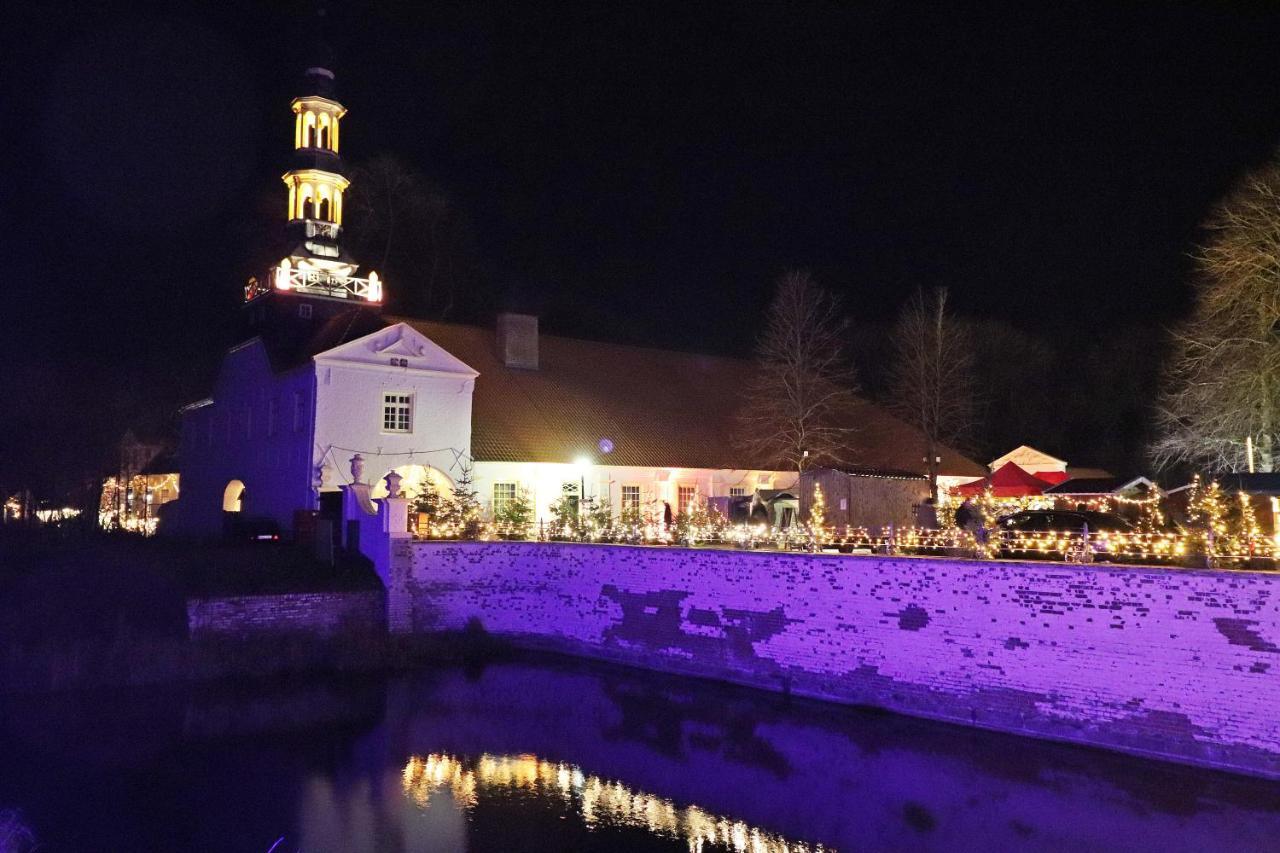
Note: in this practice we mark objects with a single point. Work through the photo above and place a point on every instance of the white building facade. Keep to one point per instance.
(324, 388)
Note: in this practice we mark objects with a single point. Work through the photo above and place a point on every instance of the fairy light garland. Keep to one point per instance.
(1223, 530)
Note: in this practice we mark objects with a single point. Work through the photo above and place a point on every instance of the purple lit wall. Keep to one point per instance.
(1166, 662)
(313, 613)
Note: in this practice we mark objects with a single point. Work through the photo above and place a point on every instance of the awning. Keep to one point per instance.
(1010, 481)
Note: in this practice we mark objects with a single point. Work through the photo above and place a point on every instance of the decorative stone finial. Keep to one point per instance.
(357, 468)
(393, 484)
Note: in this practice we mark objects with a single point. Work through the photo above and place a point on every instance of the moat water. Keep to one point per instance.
(554, 756)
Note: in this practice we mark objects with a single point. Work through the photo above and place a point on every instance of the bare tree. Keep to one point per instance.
(405, 226)
(933, 387)
(799, 402)
(386, 199)
(1221, 389)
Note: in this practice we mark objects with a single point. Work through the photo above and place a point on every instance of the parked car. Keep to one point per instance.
(1023, 528)
(255, 530)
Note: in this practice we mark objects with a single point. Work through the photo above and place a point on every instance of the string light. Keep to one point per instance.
(1219, 534)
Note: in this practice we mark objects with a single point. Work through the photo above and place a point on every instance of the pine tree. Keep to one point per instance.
(462, 511)
(818, 515)
(516, 514)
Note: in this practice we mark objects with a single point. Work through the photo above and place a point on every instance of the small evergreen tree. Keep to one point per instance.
(818, 516)
(516, 515)
(428, 501)
(597, 516)
(565, 513)
(462, 510)
(700, 523)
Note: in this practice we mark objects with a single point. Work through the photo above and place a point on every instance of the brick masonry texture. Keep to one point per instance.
(315, 614)
(1174, 663)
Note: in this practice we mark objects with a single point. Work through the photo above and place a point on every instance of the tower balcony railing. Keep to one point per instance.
(315, 282)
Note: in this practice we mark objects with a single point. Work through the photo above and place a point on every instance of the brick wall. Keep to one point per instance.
(1176, 663)
(316, 614)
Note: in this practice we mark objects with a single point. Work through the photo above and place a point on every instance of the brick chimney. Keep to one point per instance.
(518, 340)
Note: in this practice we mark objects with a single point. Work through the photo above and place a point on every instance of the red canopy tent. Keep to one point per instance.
(1009, 481)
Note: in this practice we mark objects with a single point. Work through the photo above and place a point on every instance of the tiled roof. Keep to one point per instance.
(658, 408)
(290, 345)
(1081, 473)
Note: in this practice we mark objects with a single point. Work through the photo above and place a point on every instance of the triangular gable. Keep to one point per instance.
(398, 346)
(1029, 459)
(1134, 484)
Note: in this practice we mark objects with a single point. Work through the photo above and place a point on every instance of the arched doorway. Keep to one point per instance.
(415, 480)
(233, 497)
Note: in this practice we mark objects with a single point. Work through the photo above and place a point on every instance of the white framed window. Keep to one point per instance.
(737, 492)
(684, 498)
(503, 495)
(397, 412)
(630, 499)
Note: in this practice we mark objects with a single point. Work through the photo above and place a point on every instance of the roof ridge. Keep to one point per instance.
(391, 318)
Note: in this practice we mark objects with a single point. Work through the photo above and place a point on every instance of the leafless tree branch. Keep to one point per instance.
(1220, 386)
(933, 375)
(798, 404)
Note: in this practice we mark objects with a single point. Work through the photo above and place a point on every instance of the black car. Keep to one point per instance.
(1045, 520)
(254, 530)
(1019, 533)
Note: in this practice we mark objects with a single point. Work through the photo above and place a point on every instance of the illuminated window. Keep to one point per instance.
(737, 492)
(397, 412)
(684, 498)
(631, 499)
(299, 410)
(503, 495)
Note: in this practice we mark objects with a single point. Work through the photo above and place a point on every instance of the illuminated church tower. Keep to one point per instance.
(318, 276)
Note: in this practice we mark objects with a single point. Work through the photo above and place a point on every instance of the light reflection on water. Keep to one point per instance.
(599, 802)
(542, 756)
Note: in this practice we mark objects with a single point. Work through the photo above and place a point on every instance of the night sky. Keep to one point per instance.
(639, 172)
